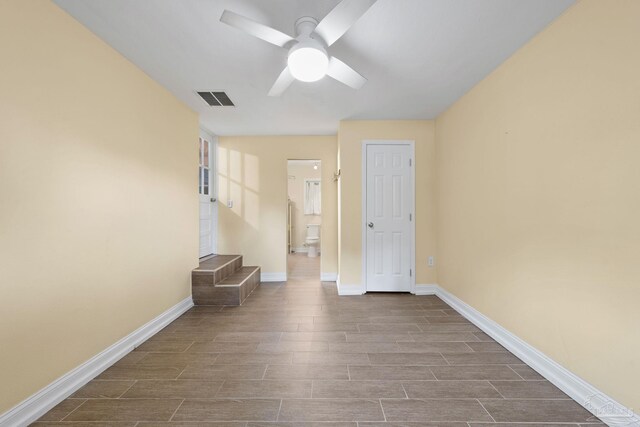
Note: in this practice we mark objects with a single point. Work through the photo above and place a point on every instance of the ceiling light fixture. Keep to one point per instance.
(308, 61)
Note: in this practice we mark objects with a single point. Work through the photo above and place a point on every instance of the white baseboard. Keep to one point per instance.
(608, 410)
(328, 277)
(347, 289)
(422, 289)
(344, 289)
(273, 277)
(302, 250)
(38, 404)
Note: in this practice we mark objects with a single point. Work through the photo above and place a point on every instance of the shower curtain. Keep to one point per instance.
(312, 197)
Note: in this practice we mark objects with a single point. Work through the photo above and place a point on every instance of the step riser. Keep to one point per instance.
(221, 295)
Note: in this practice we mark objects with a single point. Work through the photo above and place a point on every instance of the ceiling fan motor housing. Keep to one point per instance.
(304, 26)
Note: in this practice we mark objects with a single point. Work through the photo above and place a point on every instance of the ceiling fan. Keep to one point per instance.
(308, 60)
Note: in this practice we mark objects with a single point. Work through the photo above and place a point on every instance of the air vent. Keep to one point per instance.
(216, 99)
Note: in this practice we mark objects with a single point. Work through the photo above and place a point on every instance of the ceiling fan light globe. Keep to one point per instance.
(308, 64)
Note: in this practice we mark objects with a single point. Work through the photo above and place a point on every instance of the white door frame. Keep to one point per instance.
(412, 244)
(213, 184)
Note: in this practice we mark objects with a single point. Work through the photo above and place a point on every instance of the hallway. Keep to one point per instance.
(301, 353)
(301, 267)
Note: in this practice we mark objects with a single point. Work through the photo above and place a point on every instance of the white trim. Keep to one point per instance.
(608, 410)
(422, 289)
(344, 289)
(42, 401)
(412, 245)
(273, 277)
(303, 250)
(328, 277)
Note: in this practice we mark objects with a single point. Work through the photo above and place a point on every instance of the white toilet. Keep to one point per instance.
(313, 240)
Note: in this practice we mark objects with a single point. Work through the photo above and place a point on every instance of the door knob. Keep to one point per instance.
(213, 199)
(370, 225)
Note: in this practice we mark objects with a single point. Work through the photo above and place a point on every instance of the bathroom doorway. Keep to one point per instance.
(304, 219)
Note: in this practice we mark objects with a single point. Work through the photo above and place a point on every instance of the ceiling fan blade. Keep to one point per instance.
(282, 83)
(345, 74)
(256, 29)
(341, 18)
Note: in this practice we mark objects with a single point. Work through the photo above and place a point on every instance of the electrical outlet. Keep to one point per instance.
(230, 204)
(431, 262)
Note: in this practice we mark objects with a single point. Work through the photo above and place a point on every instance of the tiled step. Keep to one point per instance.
(213, 270)
(233, 290)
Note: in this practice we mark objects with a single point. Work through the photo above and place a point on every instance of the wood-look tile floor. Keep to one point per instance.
(297, 354)
(300, 267)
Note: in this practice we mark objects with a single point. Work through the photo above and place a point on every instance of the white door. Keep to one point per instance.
(206, 189)
(389, 216)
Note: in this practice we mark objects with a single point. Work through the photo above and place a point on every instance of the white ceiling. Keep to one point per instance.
(419, 56)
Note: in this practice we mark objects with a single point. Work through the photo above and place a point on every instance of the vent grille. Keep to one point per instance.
(216, 99)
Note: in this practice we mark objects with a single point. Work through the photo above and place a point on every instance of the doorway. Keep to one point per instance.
(388, 216)
(304, 219)
(207, 190)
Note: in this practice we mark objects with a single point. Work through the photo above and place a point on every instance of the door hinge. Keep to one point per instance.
(410, 272)
(409, 162)
(410, 217)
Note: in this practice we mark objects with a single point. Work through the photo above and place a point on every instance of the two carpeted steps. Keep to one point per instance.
(223, 280)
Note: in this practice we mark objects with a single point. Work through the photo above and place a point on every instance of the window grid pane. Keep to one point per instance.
(205, 189)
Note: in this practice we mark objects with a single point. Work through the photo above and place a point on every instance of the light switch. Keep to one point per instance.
(230, 204)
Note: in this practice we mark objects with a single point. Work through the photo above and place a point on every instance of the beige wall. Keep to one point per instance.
(298, 173)
(252, 171)
(98, 202)
(539, 195)
(350, 137)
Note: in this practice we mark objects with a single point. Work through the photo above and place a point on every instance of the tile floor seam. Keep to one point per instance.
(174, 412)
(406, 395)
(184, 369)
(470, 346)
(382, 409)
(188, 347)
(434, 375)
(516, 372)
(445, 359)
(74, 409)
(128, 388)
(215, 395)
(494, 387)
(485, 409)
(279, 409)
